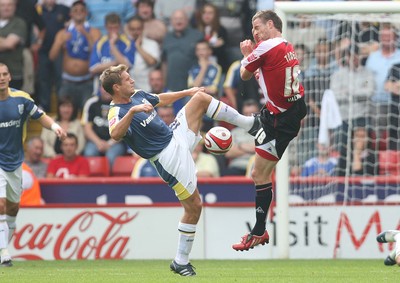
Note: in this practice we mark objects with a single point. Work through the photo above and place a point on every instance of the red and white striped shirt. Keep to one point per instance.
(279, 70)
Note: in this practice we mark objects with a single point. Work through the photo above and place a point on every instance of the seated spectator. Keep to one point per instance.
(206, 163)
(143, 168)
(67, 118)
(364, 160)
(33, 157)
(94, 119)
(147, 56)
(166, 113)
(206, 72)
(69, 165)
(243, 144)
(321, 165)
(31, 194)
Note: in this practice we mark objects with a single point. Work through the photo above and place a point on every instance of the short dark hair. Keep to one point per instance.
(78, 2)
(112, 76)
(267, 15)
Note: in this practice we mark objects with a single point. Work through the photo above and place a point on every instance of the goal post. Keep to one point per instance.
(319, 10)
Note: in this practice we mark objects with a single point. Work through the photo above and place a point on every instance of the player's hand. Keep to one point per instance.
(147, 108)
(246, 47)
(192, 91)
(61, 134)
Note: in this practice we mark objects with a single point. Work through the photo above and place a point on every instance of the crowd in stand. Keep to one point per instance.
(64, 46)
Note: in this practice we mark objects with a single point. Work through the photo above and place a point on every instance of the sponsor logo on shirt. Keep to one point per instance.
(12, 123)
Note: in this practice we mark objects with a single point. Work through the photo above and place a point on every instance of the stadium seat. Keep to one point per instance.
(99, 166)
(389, 162)
(123, 165)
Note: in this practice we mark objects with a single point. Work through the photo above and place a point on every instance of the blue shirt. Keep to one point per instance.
(101, 50)
(147, 134)
(313, 167)
(78, 46)
(15, 111)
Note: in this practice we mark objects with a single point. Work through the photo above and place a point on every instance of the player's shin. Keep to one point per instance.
(263, 200)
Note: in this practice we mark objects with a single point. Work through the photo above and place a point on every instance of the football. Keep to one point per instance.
(218, 140)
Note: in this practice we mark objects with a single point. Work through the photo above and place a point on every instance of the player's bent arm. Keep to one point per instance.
(167, 98)
(118, 130)
(244, 74)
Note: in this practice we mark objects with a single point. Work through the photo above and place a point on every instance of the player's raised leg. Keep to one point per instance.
(202, 103)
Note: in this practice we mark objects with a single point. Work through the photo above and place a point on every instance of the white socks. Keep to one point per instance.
(219, 111)
(185, 242)
(4, 231)
(11, 226)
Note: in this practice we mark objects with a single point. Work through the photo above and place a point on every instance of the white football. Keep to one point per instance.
(218, 140)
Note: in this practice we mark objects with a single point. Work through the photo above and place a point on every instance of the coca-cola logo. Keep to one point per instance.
(79, 238)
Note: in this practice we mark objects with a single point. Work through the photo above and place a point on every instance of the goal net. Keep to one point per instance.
(348, 149)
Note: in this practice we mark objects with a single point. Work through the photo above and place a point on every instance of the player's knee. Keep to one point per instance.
(202, 98)
(12, 210)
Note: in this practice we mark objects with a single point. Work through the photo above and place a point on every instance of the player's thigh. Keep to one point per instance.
(176, 167)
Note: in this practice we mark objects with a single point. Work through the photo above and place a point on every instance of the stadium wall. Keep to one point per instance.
(118, 218)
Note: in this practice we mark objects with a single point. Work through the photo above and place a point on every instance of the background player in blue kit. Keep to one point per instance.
(132, 118)
(16, 107)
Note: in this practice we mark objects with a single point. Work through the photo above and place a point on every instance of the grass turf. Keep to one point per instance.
(207, 271)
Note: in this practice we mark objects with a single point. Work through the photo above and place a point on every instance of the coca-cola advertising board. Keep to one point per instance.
(150, 232)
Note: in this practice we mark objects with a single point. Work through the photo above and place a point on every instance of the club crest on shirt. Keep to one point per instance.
(20, 108)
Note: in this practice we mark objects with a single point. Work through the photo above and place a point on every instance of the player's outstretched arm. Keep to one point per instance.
(50, 124)
(170, 97)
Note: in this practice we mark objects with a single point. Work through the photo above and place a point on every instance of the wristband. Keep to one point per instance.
(55, 127)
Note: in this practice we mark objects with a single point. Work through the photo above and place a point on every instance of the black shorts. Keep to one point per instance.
(280, 129)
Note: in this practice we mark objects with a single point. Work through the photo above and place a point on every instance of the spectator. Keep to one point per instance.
(205, 72)
(323, 165)
(31, 194)
(99, 9)
(67, 118)
(214, 33)
(55, 17)
(179, 51)
(111, 49)
(164, 9)
(157, 82)
(147, 55)
(69, 165)
(166, 113)
(392, 85)
(13, 36)
(243, 144)
(154, 29)
(303, 54)
(33, 157)
(76, 41)
(364, 160)
(206, 163)
(94, 119)
(26, 10)
(353, 87)
(236, 90)
(380, 62)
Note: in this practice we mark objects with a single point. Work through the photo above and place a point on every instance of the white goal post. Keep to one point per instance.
(284, 9)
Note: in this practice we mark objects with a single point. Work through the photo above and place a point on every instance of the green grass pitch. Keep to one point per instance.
(270, 271)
